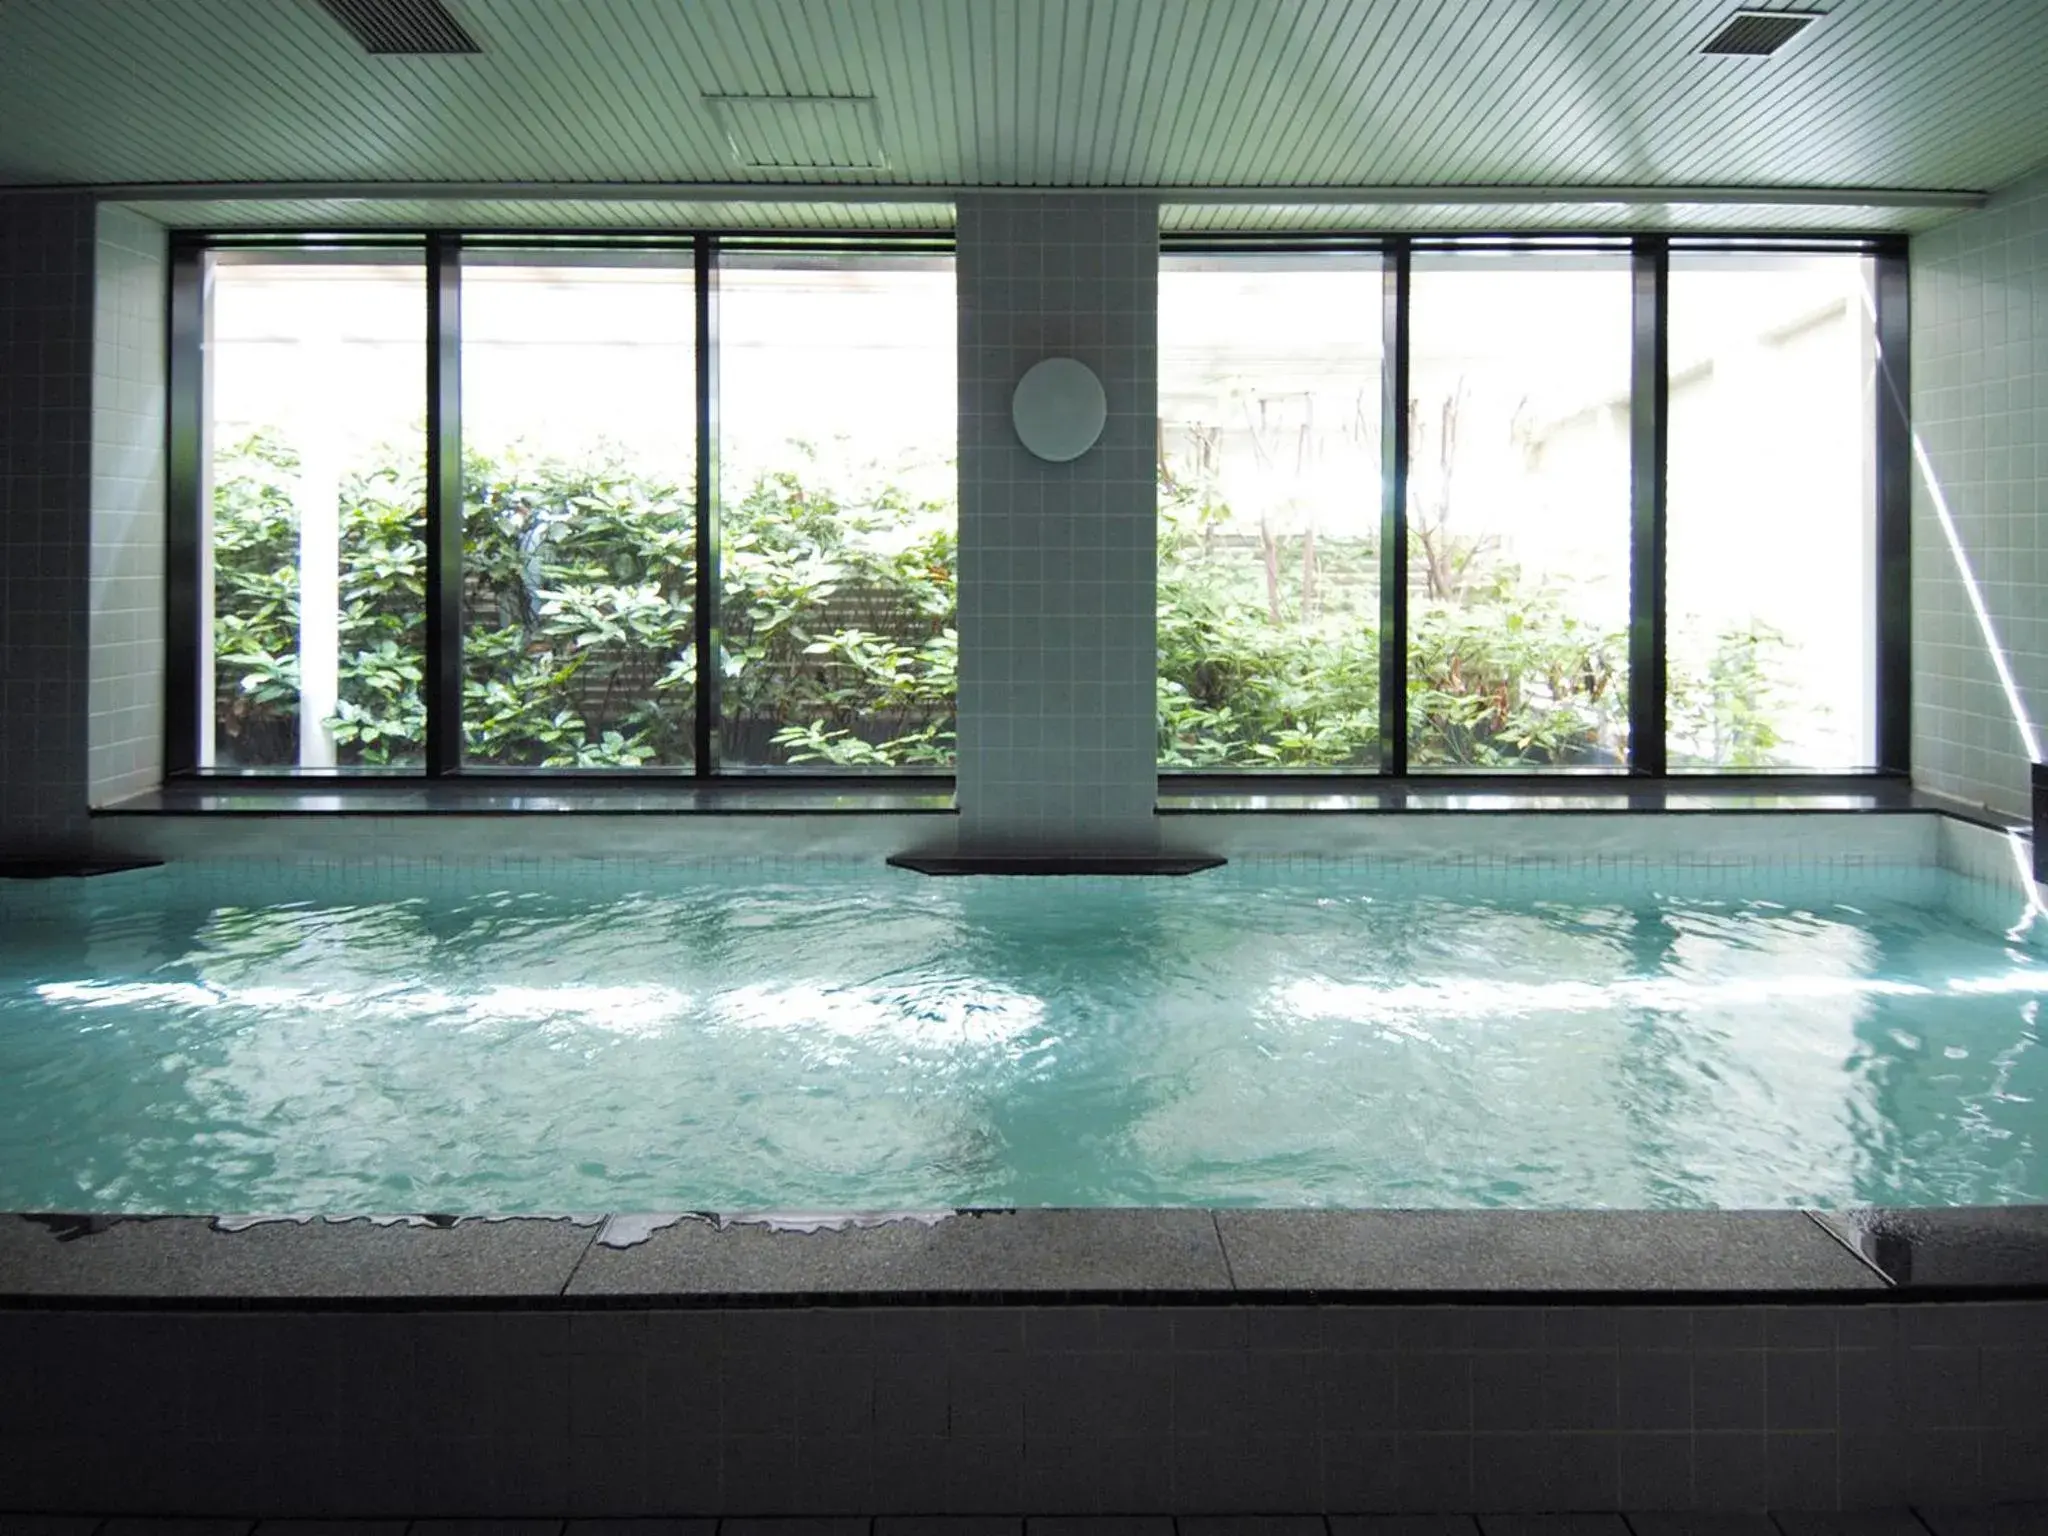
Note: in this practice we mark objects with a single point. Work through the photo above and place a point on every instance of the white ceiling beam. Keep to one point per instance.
(897, 192)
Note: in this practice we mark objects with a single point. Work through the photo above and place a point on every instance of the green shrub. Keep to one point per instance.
(1727, 716)
(839, 643)
(579, 586)
(1269, 657)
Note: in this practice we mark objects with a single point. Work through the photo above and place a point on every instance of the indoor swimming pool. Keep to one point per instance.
(836, 1035)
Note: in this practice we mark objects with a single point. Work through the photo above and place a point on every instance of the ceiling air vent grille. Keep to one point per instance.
(401, 26)
(801, 133)
(1758, 34)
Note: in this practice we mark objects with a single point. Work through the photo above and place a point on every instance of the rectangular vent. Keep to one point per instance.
(1758, 34)
(401, 26)
(801, 133)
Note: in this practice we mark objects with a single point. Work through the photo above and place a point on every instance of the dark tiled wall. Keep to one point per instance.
(46, 360)
(1022, 1409)
(1058, 724)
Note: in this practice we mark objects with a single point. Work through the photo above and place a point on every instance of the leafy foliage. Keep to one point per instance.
(1502, 673)
(839, 638)
(1726, 716)
(1510, 677)
(839, 641)
(579, 585)
(1256, 671)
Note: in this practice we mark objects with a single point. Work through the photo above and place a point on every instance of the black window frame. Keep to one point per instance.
(1649, 436)
(187, 693)
(186, 425)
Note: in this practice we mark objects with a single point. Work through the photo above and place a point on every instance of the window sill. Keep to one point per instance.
(527, 797)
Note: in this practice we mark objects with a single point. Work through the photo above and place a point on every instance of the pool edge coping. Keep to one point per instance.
(1173, 1257)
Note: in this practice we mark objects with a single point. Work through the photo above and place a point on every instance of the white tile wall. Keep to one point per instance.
(125, 731)
(1058, 716)
(1980, 412)
(46, 302)
(1618, 842)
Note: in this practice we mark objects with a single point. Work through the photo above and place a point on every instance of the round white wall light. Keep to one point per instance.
(1059, 408)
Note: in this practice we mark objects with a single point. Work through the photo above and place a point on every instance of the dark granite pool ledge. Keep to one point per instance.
(456, 797)
(1177, 797)
(1154, 1257)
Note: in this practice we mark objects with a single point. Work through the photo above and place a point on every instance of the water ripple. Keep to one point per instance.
(847, 1042)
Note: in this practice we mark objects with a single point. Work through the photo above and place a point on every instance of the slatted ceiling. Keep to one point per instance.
(1548, 218)
(1328, 45)
(1843, 92)
(1812, 97)
(567, 214)
(1455, 58)
(1398, 72)
(1926, 93)
(1575, 112)
(800, 132)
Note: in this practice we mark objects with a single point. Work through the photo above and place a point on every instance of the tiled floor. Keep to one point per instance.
(2006, 1520)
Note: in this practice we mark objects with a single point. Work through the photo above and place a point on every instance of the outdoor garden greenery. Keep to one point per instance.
(579, 586)
(838, 644)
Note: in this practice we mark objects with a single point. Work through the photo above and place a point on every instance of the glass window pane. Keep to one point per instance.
(1518, 511)
(315, 518)
(1269, 512)
(1771, 580)
(579, 535)
(838, 518)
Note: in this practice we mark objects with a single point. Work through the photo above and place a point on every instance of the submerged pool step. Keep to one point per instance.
(1055, 864)
(64, 869)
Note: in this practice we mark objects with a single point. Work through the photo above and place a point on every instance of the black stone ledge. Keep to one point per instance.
(1152, 1257)
(489, 795)
(63, 869)
(1562, 795)
(1280, 794)
(1056, 864)
(1958, 1250)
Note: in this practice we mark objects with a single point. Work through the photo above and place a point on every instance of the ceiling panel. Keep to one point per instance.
(484, 213)
(1154, 93)
(1556, 218)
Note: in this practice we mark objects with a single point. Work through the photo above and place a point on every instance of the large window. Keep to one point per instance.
(551, 603)
(837, 426)
(1771, 578)
(579, 466)
(1269, 511)
(1602, 568)
(1518, 511)
(312, 480)
(684, 504)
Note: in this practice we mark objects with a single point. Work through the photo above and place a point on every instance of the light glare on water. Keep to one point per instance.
(860, 1040)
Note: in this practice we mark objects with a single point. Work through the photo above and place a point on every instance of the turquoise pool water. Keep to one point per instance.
(846, 1037)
